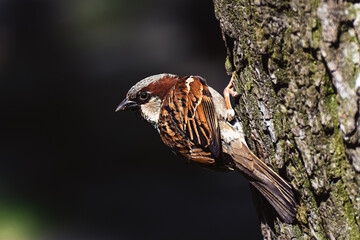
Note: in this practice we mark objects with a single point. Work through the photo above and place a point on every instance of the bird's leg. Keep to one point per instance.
(229, 90)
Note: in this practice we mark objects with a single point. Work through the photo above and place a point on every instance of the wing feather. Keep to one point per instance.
(191, 112)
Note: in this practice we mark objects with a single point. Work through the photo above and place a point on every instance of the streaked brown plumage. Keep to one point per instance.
(188, 122)
(196, 122)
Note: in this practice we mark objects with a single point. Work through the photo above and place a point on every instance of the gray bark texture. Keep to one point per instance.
(297, 65)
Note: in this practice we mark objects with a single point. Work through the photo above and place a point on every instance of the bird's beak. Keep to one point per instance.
(126, 104)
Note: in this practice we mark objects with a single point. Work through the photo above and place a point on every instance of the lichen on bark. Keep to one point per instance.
(298, 76)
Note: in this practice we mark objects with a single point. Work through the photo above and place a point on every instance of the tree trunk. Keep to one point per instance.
(298, 76)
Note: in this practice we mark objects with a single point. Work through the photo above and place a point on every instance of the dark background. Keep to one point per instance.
(72, 168)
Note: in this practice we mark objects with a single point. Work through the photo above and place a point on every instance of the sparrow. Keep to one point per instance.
(197, 123)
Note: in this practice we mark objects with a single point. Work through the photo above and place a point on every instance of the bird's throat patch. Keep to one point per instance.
(151, 110)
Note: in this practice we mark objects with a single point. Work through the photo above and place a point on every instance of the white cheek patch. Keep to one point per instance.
(151, 110)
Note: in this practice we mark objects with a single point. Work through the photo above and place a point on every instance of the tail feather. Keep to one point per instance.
(278, 193)
(275, 189)
(285, 211)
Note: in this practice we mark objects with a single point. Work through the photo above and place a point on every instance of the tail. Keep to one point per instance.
(275, 189)
(277, 192)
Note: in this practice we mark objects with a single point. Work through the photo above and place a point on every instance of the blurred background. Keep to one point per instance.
(72, 168)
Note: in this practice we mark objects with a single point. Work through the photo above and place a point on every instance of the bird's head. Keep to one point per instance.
(147, 95)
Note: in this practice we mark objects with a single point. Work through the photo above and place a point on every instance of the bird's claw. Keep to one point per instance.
(230, 87)
(230, 114)
(229, 90)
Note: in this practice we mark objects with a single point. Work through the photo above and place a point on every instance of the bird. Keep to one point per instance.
(197, 123)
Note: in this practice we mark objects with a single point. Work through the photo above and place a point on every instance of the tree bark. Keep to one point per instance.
(298, 76)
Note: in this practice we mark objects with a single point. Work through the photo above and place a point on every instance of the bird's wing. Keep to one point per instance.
(193, 120)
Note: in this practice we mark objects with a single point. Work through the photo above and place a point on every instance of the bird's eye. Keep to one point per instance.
(143, 96)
